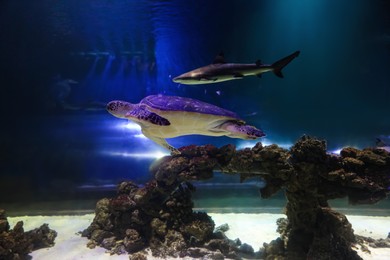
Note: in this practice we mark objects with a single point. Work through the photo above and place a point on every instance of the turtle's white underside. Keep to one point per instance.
(185, 123)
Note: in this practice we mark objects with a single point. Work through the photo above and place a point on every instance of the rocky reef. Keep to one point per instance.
(159, 215)
(16, 244)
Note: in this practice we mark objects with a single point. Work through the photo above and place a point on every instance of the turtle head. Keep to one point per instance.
(119, 108)
(242, 131)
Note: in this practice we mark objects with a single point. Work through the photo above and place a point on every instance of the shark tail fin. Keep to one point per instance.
(280, 64)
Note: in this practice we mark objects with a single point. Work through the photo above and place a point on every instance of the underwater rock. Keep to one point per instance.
(199, 229)
(138, 256)
(226, 247)
(172, 244)
(380, 243)
(160, 215)
(222, 228)
(4, 225)
(158, 226)
(17, 244)
(133, 241)
(108, 242)
(366, 242)
(309, 150)
(274, 250)
(41, 237)
(246, 249)
(204, 253)
(326, 244)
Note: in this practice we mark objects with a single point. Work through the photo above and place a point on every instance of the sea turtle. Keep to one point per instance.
(163, 117)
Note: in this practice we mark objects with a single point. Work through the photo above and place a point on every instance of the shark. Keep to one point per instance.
(220, 70)
(382, 145)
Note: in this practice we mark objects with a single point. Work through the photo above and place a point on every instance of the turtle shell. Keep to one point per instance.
(174, 103)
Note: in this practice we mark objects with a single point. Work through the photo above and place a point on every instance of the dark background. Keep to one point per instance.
(61, 61)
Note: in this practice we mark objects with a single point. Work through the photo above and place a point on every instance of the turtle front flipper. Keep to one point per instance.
(162, 142)
(141, 114)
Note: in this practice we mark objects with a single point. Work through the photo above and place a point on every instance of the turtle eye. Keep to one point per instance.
(111, 106)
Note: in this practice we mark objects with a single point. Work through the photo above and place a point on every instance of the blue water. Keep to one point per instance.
(62, 61)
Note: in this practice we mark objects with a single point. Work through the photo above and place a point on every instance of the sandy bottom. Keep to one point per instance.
(253, 229)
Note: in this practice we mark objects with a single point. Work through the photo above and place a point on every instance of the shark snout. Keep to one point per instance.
(176, 79)
(181, 79)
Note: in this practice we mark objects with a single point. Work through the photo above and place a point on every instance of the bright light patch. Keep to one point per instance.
(386, 148)
(337, 151)
(140, 136)
(245, 144)
(285, 145)
(131, 126)
(125, 125)
(146, 155)
(97, 187)
(265, 142)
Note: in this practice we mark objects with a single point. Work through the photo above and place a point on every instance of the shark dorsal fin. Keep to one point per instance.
(220, 58)
(258, 63)
(380, 143)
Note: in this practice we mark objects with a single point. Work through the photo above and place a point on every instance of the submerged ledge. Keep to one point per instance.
(159, 216)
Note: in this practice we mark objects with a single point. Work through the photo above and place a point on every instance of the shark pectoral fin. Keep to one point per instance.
(207, 79)
(259, 75)
(238, 76)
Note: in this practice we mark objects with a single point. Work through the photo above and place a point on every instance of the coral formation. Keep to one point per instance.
(16, 244)
(159, 215)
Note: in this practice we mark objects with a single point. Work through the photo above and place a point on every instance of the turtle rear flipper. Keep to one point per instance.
(162, 142)
(141, 114)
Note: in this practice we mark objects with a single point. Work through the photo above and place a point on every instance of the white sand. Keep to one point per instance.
(253, 229)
